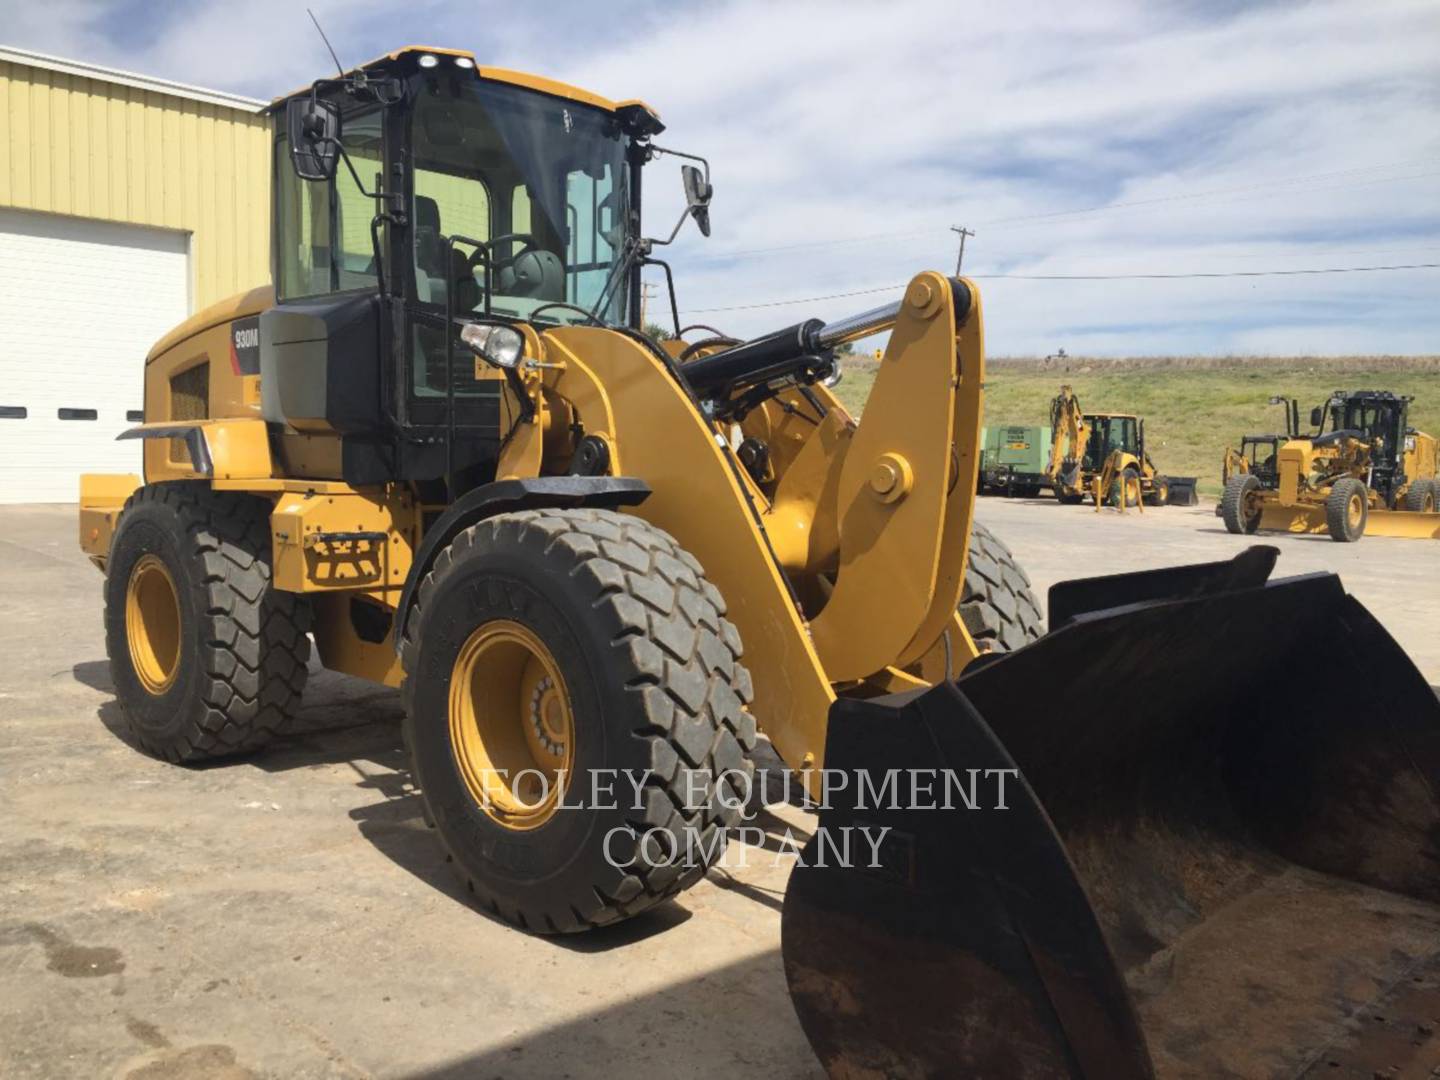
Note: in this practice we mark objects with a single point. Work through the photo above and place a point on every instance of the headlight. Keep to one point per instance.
(464, 62)
(499, 345)
(428, 60)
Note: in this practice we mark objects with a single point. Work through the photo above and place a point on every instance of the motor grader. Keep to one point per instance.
(1102, 456)
(1371, 472)
(440, 446)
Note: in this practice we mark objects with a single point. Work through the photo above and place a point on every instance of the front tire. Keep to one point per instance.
(1347, 508)
(1160, 493)
(207, 659)
(1240, 504)
(646, 671)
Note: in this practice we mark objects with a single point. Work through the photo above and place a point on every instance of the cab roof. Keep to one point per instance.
(539, 83)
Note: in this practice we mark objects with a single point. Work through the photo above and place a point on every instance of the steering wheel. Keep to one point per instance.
(527, 243)
(563, 304)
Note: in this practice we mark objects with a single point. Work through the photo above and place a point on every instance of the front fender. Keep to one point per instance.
(504, 496)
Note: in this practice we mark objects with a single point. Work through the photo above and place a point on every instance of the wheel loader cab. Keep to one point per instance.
(448, 192)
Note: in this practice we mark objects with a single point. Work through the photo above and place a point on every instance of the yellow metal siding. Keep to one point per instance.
(73, 145)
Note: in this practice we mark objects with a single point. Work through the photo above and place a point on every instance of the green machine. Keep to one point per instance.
(1012, 459)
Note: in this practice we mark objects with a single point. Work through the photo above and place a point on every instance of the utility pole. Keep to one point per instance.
(964, 232)
(645, 288)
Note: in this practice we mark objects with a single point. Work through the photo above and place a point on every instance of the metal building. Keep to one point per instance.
(126, 204)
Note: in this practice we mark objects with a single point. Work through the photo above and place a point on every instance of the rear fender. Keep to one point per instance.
(102, 497)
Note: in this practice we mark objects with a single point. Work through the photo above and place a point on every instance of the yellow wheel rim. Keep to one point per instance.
(512, 729)
(152, 624)
(1356, 509)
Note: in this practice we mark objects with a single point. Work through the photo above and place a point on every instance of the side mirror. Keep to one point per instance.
(697, 196)
(313, 126)
(1317, 415)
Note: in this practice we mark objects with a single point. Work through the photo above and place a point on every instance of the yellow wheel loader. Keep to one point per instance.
(599, 569)
(1371, 472)
(1102, 456)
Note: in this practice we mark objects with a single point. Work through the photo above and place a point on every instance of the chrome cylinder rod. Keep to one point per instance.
(855, 327)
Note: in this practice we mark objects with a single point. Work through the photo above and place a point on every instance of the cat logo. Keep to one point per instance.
(569, 123)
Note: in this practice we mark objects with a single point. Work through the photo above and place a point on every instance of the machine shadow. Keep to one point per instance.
(396, 826)
(733, 1021)
(356, 724)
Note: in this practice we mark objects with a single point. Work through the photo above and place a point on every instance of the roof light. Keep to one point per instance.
(428, 60)
(464, 62)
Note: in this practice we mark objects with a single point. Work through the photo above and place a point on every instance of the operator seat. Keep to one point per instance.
(430, 261)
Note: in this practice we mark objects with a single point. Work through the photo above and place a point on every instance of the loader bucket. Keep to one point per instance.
(1220, 856)
(1182, 491)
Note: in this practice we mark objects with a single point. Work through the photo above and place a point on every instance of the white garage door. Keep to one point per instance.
(81, 303)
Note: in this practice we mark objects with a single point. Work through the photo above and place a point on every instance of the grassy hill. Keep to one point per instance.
(1193, 406)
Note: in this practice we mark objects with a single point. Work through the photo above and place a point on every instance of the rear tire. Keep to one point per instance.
(1422, 496)
(207, 658)
(996, 605)
(650, 669)
(1240, 505)
(1347, 508)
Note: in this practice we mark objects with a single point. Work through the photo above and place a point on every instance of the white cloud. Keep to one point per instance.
(827, 121)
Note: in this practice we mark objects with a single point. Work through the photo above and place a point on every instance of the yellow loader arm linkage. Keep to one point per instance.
(874, 517)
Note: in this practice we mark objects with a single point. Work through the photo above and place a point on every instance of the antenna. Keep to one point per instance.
(323, 38)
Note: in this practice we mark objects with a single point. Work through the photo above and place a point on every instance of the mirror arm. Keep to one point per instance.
(684, 217)
(681, 154)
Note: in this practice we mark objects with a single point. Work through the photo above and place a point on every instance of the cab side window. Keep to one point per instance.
(323, 237)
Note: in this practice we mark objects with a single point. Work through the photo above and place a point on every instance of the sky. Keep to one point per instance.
(1099, 140)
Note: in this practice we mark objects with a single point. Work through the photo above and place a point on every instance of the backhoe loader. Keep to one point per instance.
(440, 445)
(1102, 456)
(1371, 472)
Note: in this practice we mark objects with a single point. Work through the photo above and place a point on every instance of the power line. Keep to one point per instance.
(1056, 215)
(1076, 277)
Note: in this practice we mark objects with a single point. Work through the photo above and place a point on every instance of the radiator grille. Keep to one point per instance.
(190, 394)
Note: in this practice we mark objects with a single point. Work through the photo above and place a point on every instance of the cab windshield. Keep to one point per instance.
(541, 180)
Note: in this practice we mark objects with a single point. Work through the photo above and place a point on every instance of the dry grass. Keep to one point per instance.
(1193, 405)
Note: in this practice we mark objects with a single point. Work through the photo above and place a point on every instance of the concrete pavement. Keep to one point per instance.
(290, 915)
